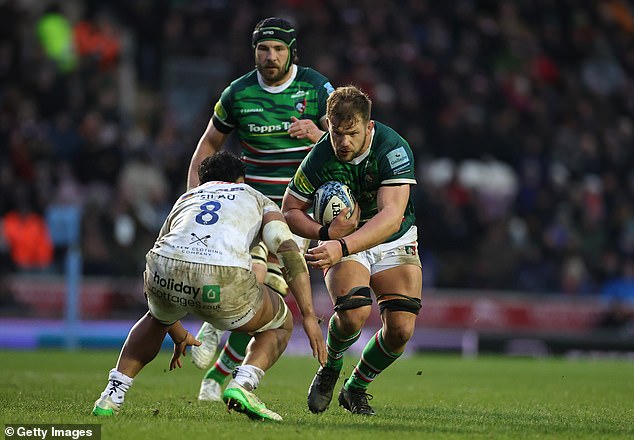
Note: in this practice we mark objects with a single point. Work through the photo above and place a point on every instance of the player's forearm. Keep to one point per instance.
(300, 289)
(206, 147)
(177, 332)
(301, 224)
(203, 150)
(375, 231)
(192, 173)
(315, 134)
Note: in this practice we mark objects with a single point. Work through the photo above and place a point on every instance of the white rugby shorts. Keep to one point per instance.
(227, 297)
(403, 250)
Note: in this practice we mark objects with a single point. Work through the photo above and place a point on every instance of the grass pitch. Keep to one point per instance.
(420, 397)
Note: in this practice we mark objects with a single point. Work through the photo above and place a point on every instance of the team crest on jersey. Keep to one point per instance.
(300, 106)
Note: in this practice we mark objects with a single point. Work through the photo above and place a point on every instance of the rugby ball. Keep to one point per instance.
(330, 199)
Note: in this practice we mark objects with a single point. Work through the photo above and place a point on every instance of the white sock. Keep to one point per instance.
(118, 384)
(248, 376)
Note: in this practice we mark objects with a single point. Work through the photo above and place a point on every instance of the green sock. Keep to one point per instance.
(230, 357)
(374, 359)
(337, 344)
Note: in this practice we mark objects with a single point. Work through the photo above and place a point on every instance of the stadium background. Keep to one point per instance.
(520, 114)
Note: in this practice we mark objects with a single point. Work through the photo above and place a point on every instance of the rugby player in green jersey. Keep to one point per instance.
(380, 255)
(277, 110)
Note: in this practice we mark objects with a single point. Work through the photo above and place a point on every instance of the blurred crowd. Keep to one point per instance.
(520, 114)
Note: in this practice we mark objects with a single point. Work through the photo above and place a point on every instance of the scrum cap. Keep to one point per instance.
(277, 29)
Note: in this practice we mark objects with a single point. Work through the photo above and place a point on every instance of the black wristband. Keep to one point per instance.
(344, 247)
(323, 233)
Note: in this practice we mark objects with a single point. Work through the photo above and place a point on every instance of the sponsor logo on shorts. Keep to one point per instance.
(169, 290)
(175, 299)
(410, 249)
(180, 287)
(211, 294)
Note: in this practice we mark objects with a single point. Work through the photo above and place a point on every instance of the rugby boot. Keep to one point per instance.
(355, 400)
(321, 389)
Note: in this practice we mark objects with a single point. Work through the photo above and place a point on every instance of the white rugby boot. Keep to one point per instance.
(204, 354)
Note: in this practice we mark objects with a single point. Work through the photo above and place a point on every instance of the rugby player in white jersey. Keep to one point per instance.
(200, 264)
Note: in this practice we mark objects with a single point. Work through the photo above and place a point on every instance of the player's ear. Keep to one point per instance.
(370, 125)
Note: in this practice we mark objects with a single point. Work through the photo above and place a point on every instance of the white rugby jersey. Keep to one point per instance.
(214, 223)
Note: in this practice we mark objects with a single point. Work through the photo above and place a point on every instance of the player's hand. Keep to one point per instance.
(304, 129)
(180, 349)
(327, 254)
(342, 226)
(316, 338)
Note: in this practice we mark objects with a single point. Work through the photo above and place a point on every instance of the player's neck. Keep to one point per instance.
(282, 84)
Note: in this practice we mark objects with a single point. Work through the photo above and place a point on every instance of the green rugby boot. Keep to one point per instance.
(240, 399)
(104, 406)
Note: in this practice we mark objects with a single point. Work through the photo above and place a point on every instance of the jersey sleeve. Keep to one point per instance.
(396, 164)
(306, 179)
(269, 205)
(323, 92)
(223, 118)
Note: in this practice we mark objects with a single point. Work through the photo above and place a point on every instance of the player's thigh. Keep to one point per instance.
(406, 279)
(343, 281)
(344, 276)
(272, 314)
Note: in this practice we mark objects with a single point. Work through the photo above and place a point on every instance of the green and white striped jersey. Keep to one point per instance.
(261, 115)
(388, 161)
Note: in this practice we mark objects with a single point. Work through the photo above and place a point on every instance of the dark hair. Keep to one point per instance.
(275, 28)
(348, 104)
(222, 166)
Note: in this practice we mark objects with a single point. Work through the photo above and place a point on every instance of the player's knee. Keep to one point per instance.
(356, 298)
(398, 330)
(354, 308)
(396, 336)
(399, 303)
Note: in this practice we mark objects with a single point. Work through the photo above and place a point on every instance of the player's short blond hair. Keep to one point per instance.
(348, 104)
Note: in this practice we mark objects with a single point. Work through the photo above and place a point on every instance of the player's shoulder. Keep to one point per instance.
(251, 191)
(247, 80)
(322, 148)
(265, 203)
(310, 75)
(386, 138)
